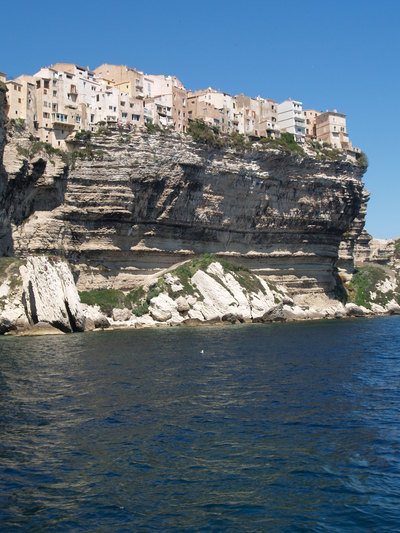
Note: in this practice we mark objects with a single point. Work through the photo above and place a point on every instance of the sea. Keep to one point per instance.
(262, 427)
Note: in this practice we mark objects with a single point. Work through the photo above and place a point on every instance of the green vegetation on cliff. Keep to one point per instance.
(366, 287)
(138, 300)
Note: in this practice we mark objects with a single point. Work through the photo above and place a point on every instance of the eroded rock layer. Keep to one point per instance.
(144, 202)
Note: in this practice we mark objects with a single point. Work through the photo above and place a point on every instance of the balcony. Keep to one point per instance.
(61, 120)
(62, 124)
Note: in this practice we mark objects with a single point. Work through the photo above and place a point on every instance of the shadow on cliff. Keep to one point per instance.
(26, 192)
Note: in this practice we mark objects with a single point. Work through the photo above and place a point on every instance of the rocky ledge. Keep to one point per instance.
(38, 296)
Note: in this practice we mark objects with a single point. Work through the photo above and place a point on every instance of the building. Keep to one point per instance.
(128, 80)
(257, 116)
(65, 100)
(216, 108)
(291, 119)
(331, 128)
(3, 77)
(310, 116)
(167, 97)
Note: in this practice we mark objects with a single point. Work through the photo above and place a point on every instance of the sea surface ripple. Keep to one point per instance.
(292, 427)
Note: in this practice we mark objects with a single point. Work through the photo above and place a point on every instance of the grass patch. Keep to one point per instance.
(248, 281)
(106, 299)
(365, 281)
(285, 142)
(9, 266)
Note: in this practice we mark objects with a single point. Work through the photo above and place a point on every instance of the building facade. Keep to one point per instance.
(310, 117)
(59, 100)
(291, 119)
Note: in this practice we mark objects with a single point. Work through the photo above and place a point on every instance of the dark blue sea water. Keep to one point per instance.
(273, 428)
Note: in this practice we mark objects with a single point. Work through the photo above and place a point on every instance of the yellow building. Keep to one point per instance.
(331, 128)
(128, 80)
(310, 116)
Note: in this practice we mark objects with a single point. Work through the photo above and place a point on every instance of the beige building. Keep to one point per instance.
(331, 128)
(64, 104)
(128, 80)
(310, 116)
(21, 100)
(3, 77)
(167, 97)
(257, 116)
(216, 108)
(130, 109)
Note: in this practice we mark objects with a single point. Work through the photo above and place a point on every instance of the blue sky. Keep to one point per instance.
(342, 54)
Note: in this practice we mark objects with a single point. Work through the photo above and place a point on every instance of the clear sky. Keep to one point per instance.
(342, 54)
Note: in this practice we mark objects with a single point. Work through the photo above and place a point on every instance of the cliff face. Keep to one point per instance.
(146, 201)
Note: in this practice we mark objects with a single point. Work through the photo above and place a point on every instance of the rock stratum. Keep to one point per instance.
(125, 207)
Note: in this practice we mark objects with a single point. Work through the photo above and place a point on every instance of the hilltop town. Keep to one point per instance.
(58, 101)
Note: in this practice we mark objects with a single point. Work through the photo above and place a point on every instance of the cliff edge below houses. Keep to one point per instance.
(124, 206)
(127, 205)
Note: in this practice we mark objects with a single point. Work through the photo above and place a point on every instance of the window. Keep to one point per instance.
(124, 115)
(19, 101)
(46, 84)
(122, 104)
(46, 115)
(54, 93)
(19, 89)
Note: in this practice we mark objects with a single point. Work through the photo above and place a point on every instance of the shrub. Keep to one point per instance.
(362, 160)
(151, 127)
(397, 248)
(203, 133)
(83, 136)
(18, 124)
(238, 140)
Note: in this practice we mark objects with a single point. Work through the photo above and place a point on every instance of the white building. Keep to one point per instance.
(291, 119)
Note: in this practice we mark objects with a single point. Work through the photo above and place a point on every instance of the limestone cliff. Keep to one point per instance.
(132, 203)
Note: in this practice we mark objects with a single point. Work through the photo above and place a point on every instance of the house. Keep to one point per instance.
(310, 117)
(216, 108)
(291, 119)
(331, 128)
(167, 96)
